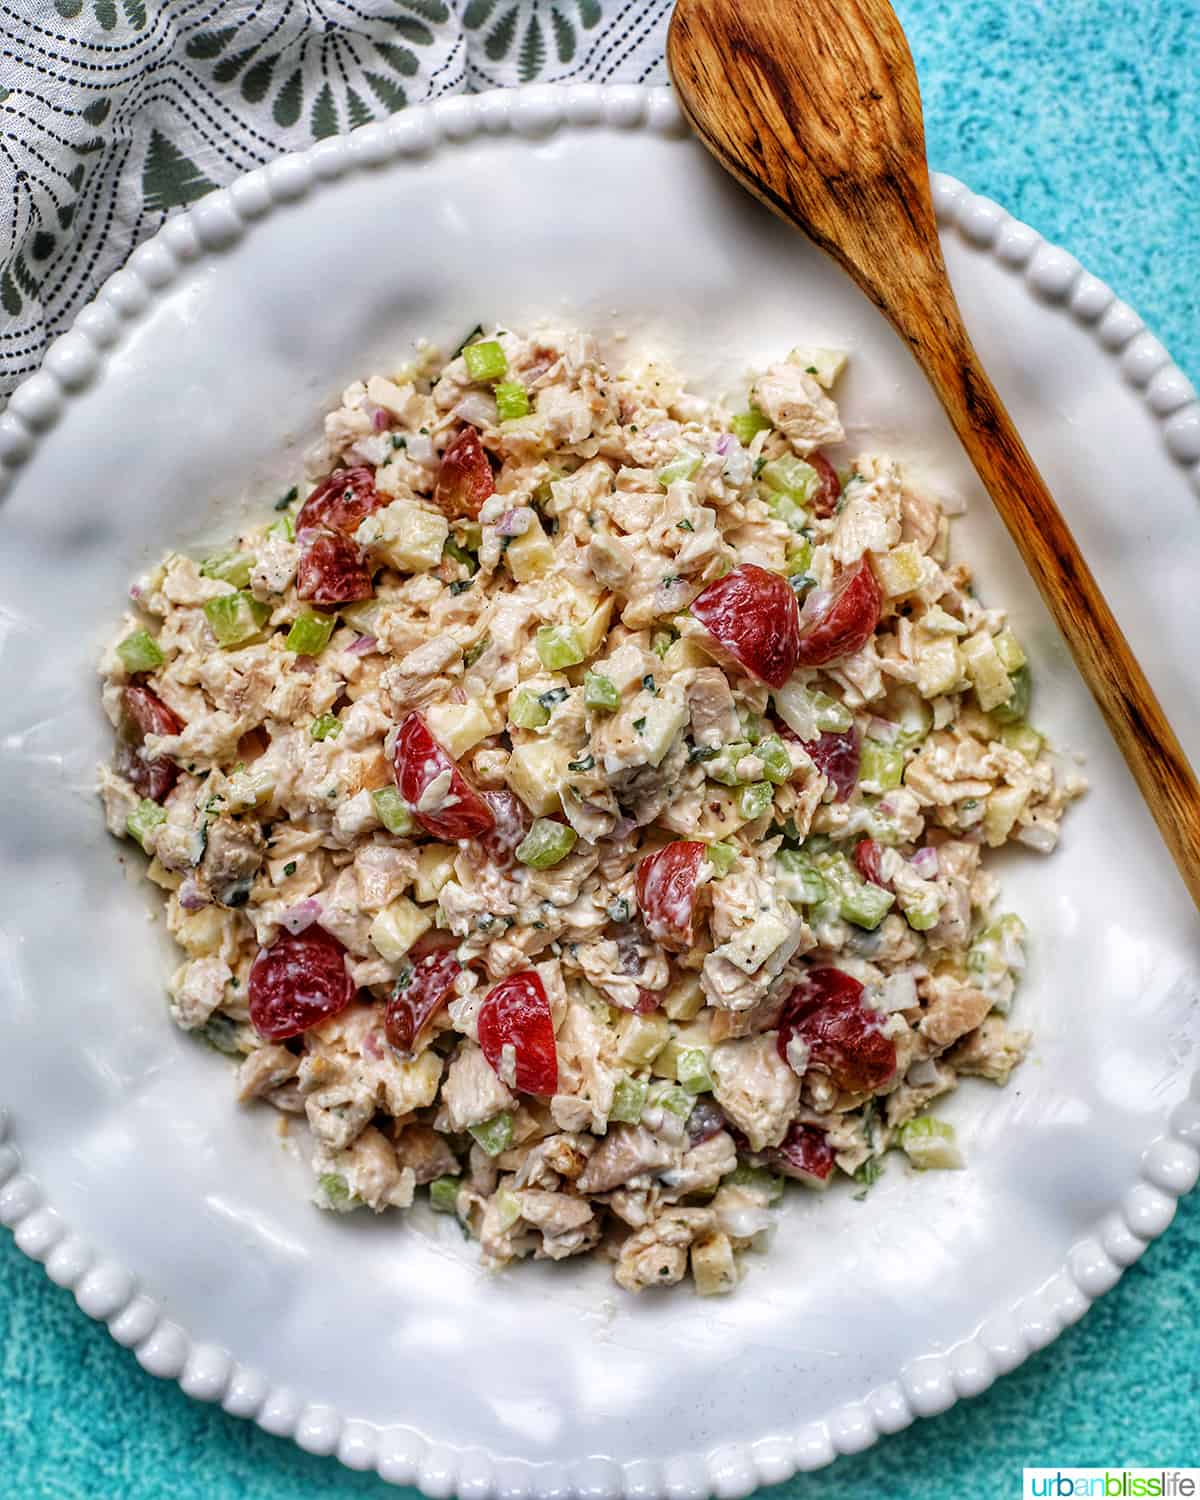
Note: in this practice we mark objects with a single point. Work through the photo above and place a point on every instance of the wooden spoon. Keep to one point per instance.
(813, 105)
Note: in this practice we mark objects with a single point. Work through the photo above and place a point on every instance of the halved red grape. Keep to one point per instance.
(866, 857)
(417, 1000)
(829, 491)
(512, 823)
(441, 798)
(340, 502)
(143, 712)
(300, 980)
(845, 1037)
(706, 1120)
(667, 882)
(465, 479)
(332, 570)
(805, 1155)
(516, 1014)
(837, 755)
(753, 617)
(843, 621)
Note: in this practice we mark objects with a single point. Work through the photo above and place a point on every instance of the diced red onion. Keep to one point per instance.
(925, 862)
(301, 916)
(362, 645)
(623, 827)
(725, 442)
(135, 593)
(191, 897)
(381, 421)
(514, 522)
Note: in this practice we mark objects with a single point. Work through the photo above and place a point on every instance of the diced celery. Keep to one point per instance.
(337, 1191)
(629, 1099)
(392, 810)
(799, 558)
(600, 691)
(235, 618)
(807, 713)
(661, 642)
(285, 527)
(473, 652)
(1023, 738)
(930, 1143)
(310, 634)
(229, 567)
(797, 879)
(756, 1177)
(470, 534)
(683, 466)
(140, 652)
(485, 361)
(508, 1208)
(672, 1098)
(755, 799)
(325, 727)
(777, 763)
(1008, 649)
(494, 1135)
(745, 424)
(512, 401)
(143, 820)
(452, 550)
(721, 857)
(792, 477)
(752, 725)
(859, 901)
(526, 710)
(1017, 707)
(723, 766)
(921, 908)
(691, 1069)
(787, 510)
(547, 843)
(443, 1195)
(559, 646)
(881, 765)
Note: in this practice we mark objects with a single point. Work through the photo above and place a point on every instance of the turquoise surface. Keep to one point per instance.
(1083, 118)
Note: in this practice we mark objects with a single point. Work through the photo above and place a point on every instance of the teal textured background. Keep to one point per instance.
(1083, 118)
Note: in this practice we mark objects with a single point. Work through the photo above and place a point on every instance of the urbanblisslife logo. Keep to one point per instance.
(1111, 1484)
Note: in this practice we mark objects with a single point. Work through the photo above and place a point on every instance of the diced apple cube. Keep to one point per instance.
(435, 865)
(530, 555)
(900, 570)
(536, 772)
(1001, 811)
(397, 927)
(461, 726)
(939, 667)
(986, 670)
(407, 537)
(641, 1039)
(824, 365)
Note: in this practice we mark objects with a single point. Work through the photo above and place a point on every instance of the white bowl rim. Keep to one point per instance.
(109, 1292)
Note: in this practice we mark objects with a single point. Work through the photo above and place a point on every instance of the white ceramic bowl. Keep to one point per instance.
(182, 398)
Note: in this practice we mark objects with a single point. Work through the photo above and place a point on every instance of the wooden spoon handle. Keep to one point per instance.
(1153, 754)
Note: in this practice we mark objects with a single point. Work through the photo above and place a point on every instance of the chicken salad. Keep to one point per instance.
(572, 804)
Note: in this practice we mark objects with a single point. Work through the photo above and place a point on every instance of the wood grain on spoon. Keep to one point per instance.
(813, 105)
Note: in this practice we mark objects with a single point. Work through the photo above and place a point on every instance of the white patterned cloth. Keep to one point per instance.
(117, 112)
